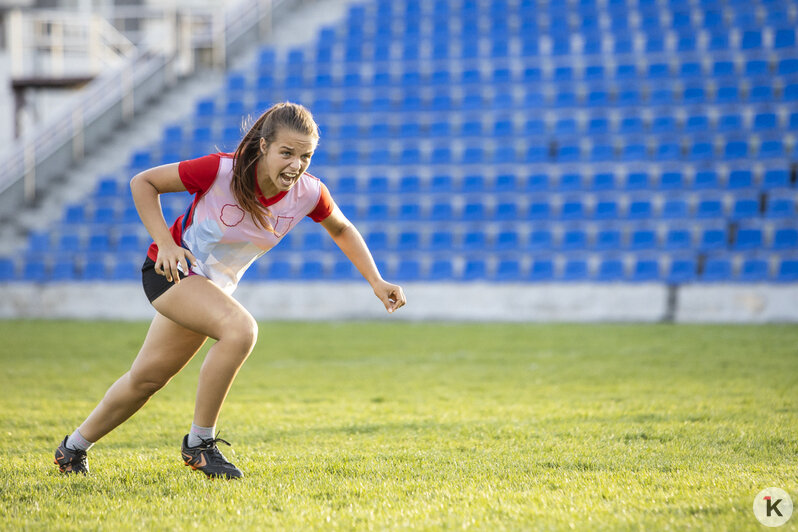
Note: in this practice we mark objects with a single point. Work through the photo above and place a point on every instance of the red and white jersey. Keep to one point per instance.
(222, 236)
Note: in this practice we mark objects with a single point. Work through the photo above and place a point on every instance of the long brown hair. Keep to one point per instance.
(282, 115)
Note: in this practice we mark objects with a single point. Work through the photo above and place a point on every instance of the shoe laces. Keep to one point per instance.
(213, 449)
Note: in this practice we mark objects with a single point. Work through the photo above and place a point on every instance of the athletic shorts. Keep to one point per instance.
(155, 284)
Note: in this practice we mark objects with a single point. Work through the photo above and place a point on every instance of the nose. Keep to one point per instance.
(296, 164)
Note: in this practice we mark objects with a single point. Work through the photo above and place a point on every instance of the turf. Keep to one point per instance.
(417, 426)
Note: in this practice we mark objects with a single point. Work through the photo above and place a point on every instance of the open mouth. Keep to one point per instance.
(287, 178)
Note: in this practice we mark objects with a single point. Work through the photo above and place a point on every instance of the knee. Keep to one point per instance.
(243, 333)
(145, 386)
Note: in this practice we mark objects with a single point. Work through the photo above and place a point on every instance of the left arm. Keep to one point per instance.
(348, 238)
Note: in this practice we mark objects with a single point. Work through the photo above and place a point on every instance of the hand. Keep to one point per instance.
(169, 257)
(391, 295)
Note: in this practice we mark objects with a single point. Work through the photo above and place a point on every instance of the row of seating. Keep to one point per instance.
(672, 269)
(777, 182)
(523, 97)
(766, 134)
(716, 234)
(536, 208)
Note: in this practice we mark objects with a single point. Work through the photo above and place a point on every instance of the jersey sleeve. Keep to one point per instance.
(324, 206)
(199, 174)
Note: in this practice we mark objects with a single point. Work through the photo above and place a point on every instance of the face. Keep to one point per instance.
(284, 160)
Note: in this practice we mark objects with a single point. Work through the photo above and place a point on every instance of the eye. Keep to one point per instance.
(306, 157)
(285, 153)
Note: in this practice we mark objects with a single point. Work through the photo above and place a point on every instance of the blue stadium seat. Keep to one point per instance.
(505, 183)
(745, 207)
(602, 181)
(787, 269)
(7, 269)
(717, 269)
(474, 270)
(754, 269)
(713, 238)
(441, 241)
(408, 241)
(681, 270)
(540, 240)
(474, 241)
(740, 179)
(645, 269)
(642, 239)
(506, 241)
(311, 270)
(608, 238)
(640, 208)
(408, 270)
(748, 238)
(785, 238)
(610, 269)
(775, 178)
(343, 270)
(409, 212)
(538, 209)
(710, 206)
(508, 270)
(573, 239)
(575, 269)
(506, 211)
(441, 270)
(542, 269)
(781, 204)
(678, 239)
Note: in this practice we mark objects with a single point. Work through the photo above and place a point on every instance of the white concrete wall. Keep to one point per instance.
(741, 303)
(755, 303)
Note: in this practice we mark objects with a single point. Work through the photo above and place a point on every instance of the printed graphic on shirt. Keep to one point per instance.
(282, 225)
(232, 215)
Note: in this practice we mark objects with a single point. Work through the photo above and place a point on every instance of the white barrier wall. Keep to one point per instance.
(755, 303)
(742, 303)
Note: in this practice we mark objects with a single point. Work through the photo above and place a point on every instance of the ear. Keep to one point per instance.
(262, 145)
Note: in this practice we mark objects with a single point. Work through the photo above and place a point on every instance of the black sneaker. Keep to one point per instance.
(207, 457)
(69, 460)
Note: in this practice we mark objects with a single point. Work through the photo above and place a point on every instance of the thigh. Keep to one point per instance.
(167, 348)
(200, 306)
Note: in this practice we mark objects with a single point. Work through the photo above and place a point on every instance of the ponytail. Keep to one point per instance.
(282, 115)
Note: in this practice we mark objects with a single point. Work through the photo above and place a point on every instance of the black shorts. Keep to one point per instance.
(155, 284)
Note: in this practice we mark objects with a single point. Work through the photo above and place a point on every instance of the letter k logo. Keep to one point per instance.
(773, 506)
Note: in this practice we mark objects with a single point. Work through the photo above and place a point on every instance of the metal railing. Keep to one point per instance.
(113, 97)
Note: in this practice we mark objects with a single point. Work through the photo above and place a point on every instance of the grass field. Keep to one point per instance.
(417, 426)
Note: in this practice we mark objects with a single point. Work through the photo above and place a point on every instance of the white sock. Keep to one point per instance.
(77, 442)
(197, 434)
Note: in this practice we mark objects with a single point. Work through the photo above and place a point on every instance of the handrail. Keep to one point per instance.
(24, 159)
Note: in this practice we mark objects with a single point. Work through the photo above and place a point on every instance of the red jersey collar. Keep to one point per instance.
(266, 202)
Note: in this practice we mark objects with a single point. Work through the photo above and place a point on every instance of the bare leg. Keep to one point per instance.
(166, 350)
(199, 305)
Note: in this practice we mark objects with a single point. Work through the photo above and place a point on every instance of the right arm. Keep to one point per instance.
(146, 188)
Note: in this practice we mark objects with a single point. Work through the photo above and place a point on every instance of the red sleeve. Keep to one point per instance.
(324, 206)
(198, 175)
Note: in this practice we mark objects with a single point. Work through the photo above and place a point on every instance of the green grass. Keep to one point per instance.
(416, 426)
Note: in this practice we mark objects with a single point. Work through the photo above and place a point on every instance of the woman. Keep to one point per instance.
(244, 204)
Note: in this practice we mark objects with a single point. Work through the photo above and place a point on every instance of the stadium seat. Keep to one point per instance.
(718, 269)
(575, 269)
(713, 238)
(785, 238)
(610, 269)
(645, 270)
(748, 238)
(681, 270)
(787, 270)
(754, 270)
